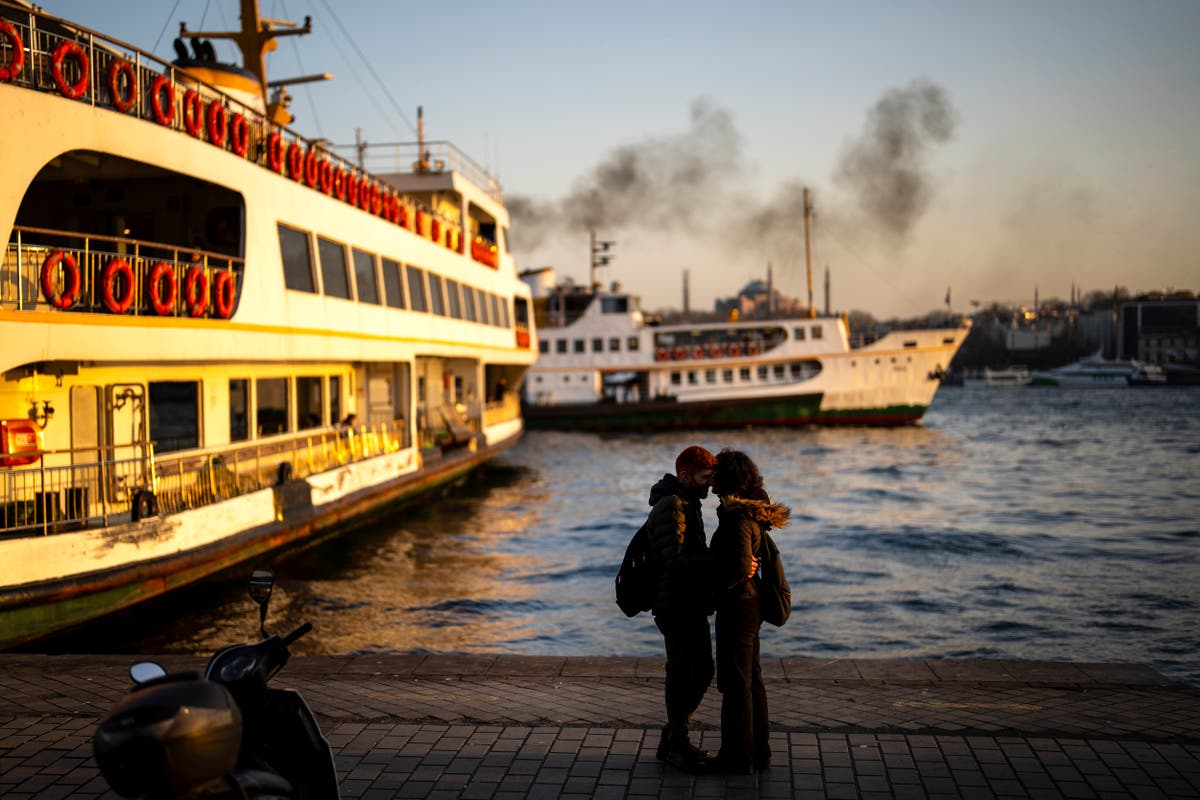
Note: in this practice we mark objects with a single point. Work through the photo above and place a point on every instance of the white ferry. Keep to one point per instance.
(221, 338)
(603, 366)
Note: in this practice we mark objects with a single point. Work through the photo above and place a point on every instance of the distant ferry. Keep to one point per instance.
(1094, 370)
(1005, 377)
(220, 337)
(603, 367)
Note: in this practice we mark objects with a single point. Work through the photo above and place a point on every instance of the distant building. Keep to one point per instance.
(1160, 331)
(757, 299)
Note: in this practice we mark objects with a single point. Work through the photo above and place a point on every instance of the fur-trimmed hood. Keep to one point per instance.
(772, 515)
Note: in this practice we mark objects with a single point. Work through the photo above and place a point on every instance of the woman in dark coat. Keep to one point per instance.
(745, 512)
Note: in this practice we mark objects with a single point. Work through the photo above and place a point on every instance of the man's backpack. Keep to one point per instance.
(637, 580)
(774, 594)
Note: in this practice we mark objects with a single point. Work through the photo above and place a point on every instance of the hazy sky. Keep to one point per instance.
(986, 147)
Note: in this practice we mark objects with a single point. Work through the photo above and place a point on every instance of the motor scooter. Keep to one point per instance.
(225, 733)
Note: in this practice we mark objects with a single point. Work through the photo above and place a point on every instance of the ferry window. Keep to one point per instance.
(452, 299)
(496, 317)
(710, 376)
(333, 268)
(762, 373)
(308, 403)
(297, 259)
(692, 378)
(560, 346)
(631, 344)
(744, 374)
(543, 346)
(239, 409)
(797, 370)
(614, 305)
(364, 277)
(485, 307)
(335, 398)
(272, 405)
(416, 289)
(676, 379)
(778, 372)
(817, 332)
(597, 345)
(579, 348)
(727, 375)
(469, 303)
(799, 334)
(614, 345)
(436, 294)
(393, 287)
(174, 415)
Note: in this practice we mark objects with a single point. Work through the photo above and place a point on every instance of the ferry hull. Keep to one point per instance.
(794, 410)
(33, 611)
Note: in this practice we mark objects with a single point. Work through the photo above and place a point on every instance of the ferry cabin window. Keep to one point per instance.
(364, 277)
(271, 406)
(393, 288)
(239, 410)
(560, 346)
(469, 303)
(797, 370)
(614, 345)
(416, 289)
(727, 375)
(710, 376)
(762, 373)
(692, 379)
(579, 346)
(485, 307)
(614, 305)
(543, 346)
(452, 299)
(676, 379)
(308, 403)
(799, 334)
(333, 268)
(778, 370)
(437, 303)
(631, 344)
(597, 345)
(297, 259)
(744, 374)
(496, 318)
(335, 399)
(174, 415)
(523, 319)
(817, 332)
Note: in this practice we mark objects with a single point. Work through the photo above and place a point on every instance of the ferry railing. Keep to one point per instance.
(430, 157)
(58, 497)
(144, 97)
(26, 254)
(503, 410)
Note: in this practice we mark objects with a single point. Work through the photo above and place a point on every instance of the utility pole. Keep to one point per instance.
(600, 256)
(812, 312)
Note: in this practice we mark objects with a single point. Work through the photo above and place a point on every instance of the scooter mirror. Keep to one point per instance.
(262, 581)
(144, 671)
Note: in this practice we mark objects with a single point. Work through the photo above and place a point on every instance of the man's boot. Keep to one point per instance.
(664, 744)
(680, 753)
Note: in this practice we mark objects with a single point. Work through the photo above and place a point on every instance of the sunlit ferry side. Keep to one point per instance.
(194, 299)
(603, 367)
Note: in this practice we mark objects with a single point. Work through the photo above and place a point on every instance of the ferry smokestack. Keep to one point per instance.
(686, 301)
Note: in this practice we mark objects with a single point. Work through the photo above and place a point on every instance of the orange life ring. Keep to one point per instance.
(374, 198)
(697, 352)
(325, 175)
(239, 135)
(163, 306)
(312, 168)
(14, 67)
(70, 280)
(733, 351)
(715, 351)
(339, 183)
(120, 68)
(275, 151)
(295, 161)
(117, 304)
(223, 292)
(352, 187)
(65, 50)
(680, 353)
(752, 349)
(217, 120)
(435, 230)
(661, 354)
(195, 291)
(193, 112)
(163, 116)
(401, 215)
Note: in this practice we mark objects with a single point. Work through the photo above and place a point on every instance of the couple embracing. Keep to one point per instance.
(694, 579)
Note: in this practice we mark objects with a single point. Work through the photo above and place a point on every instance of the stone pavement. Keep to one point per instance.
(534, 727)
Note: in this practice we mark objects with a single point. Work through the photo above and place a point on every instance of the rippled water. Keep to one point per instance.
(1057, 524)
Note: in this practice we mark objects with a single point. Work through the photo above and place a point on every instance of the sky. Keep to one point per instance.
(989, 149)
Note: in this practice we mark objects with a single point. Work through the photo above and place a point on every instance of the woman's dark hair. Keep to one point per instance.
(737, 474)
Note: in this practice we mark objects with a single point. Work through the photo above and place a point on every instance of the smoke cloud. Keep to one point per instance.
(886, 169)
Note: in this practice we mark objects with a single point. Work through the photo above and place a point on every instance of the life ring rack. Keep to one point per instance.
(752, 349)
(733, 350)
(698, 352)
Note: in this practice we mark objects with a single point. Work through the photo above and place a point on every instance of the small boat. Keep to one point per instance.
(1002, 378)
(222, 338)
(1094, 370)
(1147, 375)
(604, 367)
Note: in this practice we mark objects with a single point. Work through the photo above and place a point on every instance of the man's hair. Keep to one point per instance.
(693, 459)
(737, 474)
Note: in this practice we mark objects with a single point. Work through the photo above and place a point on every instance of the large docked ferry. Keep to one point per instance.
(604, 366)
(220, 337)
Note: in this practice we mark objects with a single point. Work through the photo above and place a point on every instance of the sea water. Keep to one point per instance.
(1031, 523)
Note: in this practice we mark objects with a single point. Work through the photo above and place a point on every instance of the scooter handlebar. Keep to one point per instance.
(296, 634)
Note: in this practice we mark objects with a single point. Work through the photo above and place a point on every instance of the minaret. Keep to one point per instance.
(770, 289)
(686, 301)
(827, 290)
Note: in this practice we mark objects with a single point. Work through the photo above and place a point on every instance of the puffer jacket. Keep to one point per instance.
(677, 542)
(740, 525)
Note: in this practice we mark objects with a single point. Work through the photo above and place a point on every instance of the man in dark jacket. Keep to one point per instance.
(683, 601)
